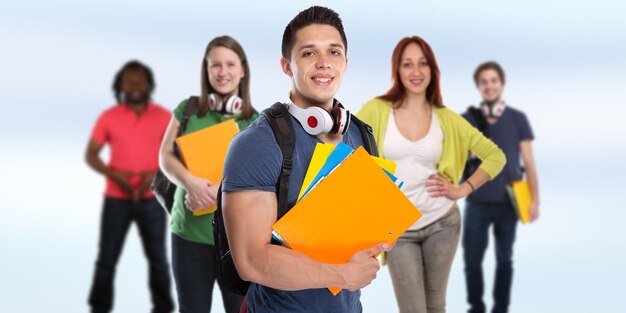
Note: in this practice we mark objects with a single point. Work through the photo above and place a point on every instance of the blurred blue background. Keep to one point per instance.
(565, 68)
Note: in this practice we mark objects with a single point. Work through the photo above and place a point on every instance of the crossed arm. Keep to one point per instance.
(121, 178)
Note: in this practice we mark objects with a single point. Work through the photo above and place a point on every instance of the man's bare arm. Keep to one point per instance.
(249, 216)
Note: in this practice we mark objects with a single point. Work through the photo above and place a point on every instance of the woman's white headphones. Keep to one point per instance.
(316, 120)
(231, 104)
(492, 111)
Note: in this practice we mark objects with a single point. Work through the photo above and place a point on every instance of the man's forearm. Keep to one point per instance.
(531, 169)
(281, 268)
(533, 182)
(148, 177)
(97, 165)
(248, 219)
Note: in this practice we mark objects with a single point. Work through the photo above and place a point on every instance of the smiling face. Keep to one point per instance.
(318, 62)
(414, 70)
(490, 85)
(225, 71)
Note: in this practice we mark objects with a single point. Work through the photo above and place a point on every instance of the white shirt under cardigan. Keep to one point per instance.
(416, 161)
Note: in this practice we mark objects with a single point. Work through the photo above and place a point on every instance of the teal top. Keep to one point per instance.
(182, 222)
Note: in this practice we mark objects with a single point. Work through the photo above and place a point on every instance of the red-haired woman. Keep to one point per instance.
(430, 145)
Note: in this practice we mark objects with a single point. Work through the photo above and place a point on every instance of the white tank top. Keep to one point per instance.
(416, 161)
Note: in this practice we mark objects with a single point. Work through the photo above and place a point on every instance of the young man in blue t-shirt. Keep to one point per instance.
(314, 57)
(491, 205)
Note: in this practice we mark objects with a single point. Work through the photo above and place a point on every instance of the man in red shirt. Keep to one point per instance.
(133, 129)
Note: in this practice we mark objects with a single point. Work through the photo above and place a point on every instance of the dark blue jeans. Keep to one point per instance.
(117, 216)
(194, 265)
(477, 220)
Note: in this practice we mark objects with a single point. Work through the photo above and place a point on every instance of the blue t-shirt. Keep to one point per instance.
(253, 162)
(507, 132)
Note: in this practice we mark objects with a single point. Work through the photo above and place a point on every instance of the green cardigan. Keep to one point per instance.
(459, 137)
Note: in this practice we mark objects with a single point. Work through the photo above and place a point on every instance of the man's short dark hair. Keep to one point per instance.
(313, 15)
(133, 64)
(490, 65)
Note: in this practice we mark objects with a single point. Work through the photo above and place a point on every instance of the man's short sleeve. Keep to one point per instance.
(100, 131)
(526, 132)
(253, 160)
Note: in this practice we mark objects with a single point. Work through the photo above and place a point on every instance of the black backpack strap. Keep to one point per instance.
(369, 142)
(481, 121)
(191, 107)
(280, 122)
(472, 164)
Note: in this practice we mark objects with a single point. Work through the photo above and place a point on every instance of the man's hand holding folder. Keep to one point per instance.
(365, 266)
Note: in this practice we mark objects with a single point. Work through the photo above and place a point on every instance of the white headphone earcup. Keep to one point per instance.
(215, 103)
(344, 120)
(212, 102)
(485, 108)
(219, 105)
(314, 120)
(324, 123)
(492, 111)
(498, 109)
(233, 105)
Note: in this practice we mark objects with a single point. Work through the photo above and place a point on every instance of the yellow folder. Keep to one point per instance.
(520, 195)
(389, 166)
(204, 152)
(355, 207)
(321, 153)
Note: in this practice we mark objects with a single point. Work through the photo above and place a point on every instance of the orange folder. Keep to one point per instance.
(204, 152)
(355, 207)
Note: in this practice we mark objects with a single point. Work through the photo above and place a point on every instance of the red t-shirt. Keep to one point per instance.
(134, 142)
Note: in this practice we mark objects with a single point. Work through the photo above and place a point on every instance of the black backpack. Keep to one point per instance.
(280, 122)
(162, 187)
(481, 124)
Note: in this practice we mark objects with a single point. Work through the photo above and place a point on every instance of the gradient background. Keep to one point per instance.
(565, 68)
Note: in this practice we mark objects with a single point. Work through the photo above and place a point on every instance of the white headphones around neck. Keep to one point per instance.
(316, 120)
(231, 104)
(492, 111)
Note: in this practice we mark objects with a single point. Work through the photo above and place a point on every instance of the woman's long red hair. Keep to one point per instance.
(397, 92)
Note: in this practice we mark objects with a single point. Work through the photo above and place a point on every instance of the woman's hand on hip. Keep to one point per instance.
(438, 186)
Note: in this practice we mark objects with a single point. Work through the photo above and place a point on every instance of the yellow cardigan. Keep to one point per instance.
(459, 137)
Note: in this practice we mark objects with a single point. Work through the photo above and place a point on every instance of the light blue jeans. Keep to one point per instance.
(420, 264)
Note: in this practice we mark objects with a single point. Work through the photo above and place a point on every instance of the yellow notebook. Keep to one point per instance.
(321, 153)
(204, 152)
(389, 166)
(519, 191)
(355, 207)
